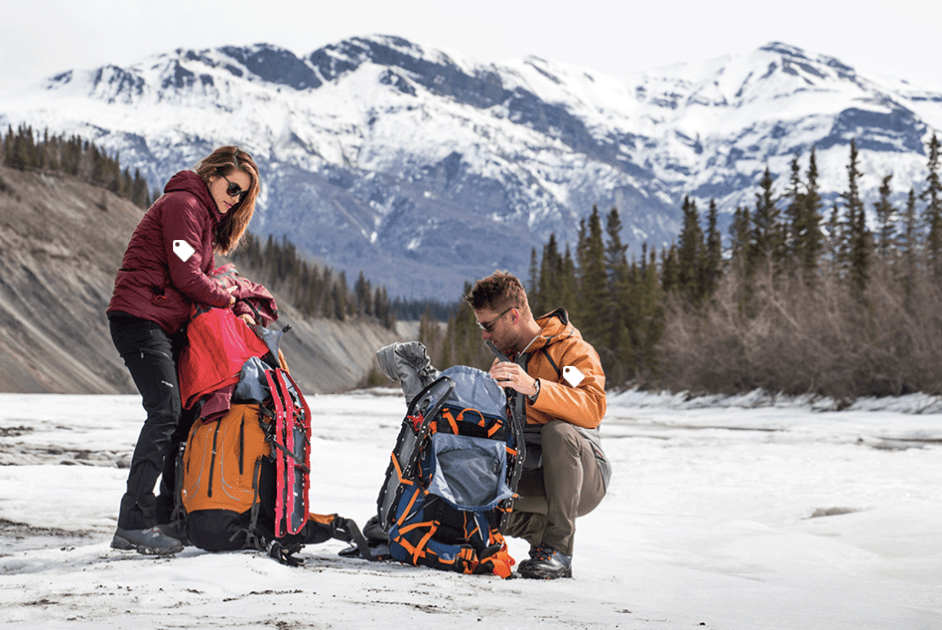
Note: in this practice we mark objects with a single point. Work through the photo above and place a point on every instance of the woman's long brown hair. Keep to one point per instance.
(223, 161)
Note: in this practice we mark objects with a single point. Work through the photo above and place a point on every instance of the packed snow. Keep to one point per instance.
(741, 513)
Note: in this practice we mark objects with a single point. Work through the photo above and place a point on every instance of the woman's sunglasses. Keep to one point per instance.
(233, 189)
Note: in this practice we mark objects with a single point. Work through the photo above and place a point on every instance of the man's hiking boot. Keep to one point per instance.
(546, 563)
(147, 541)
(534, 553)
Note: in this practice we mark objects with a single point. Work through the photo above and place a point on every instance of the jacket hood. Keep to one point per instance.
(556, 327)
(190, 182)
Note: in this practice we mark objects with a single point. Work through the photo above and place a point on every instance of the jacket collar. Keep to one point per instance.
(555, 326)
(189, 181)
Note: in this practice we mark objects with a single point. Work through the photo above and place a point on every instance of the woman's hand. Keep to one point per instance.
(248, 319)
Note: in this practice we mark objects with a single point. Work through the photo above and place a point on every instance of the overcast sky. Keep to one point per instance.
(901, 38)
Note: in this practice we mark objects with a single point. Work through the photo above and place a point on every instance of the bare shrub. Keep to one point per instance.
(779, 335)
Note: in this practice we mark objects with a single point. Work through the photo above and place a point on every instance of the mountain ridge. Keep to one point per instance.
(425, 169)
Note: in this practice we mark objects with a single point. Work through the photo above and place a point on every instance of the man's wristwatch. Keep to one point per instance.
(536, 384)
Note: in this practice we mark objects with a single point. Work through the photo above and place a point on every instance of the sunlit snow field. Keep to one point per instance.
(745, 513)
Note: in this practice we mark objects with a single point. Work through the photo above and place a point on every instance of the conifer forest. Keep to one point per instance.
(796, 298)
(802, 299)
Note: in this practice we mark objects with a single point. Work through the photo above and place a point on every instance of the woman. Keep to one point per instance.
(163, 274)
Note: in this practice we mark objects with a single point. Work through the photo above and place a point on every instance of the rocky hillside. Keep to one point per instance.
(61, 242)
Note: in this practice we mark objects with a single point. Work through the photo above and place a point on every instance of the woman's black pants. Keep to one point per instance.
(150, 355)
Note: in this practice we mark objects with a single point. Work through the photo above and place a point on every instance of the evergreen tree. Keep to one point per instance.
(617, 274)
(339, 297)
(932, 214)
(383, 309)
(646, 318)
(550, 272)
(567, 282)
(768, 232)
(690, 255)
(669, 269)
(794, 213)
(910, 247)
(714, 252)
(740, 236)
(533, 291)
(139, 195)
(363, 293)
(858, 236)
(836, 241)
(886, 220)
(594, 283)
(809, 237)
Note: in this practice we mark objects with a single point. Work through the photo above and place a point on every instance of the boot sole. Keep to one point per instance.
(119, 542)
(537, 574)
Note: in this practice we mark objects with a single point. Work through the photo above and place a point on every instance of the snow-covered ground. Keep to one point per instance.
(723, 513)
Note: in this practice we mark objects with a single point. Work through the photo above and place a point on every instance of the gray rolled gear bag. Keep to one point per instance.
(409, 364)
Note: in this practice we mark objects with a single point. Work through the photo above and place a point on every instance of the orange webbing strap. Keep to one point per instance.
(395, 462)
(477, 528)
(282, 363)
(480, 422)
(470, 558)
(409, 528)
(451, 421)
(405, 512)
(323, 519)
(419, 551)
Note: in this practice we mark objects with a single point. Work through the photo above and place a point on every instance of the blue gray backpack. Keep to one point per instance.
(452, 476)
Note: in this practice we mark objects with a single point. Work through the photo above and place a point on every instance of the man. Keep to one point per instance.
(560, 382)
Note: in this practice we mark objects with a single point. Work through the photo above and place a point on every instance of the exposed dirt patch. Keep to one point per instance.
(832, 511)
(22, 530)
(18, 454)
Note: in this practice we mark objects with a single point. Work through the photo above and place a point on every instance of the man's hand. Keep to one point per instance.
(512, 375)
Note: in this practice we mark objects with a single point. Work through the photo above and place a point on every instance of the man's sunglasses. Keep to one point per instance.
(233, 189)
(488, 326)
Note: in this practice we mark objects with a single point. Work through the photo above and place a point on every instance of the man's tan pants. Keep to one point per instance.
(550, 498)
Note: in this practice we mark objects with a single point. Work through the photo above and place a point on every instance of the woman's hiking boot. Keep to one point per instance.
(151, 541)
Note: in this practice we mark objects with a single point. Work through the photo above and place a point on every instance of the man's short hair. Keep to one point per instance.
(498, 291)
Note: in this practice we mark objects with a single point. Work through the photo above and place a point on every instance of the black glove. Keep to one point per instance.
(284, 555)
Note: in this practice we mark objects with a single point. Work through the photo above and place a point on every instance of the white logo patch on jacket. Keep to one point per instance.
(183, 250)
(573, 375)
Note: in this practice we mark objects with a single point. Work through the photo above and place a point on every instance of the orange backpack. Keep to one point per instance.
(222, 461)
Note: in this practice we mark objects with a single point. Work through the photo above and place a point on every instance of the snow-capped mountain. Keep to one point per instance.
(425, 170)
